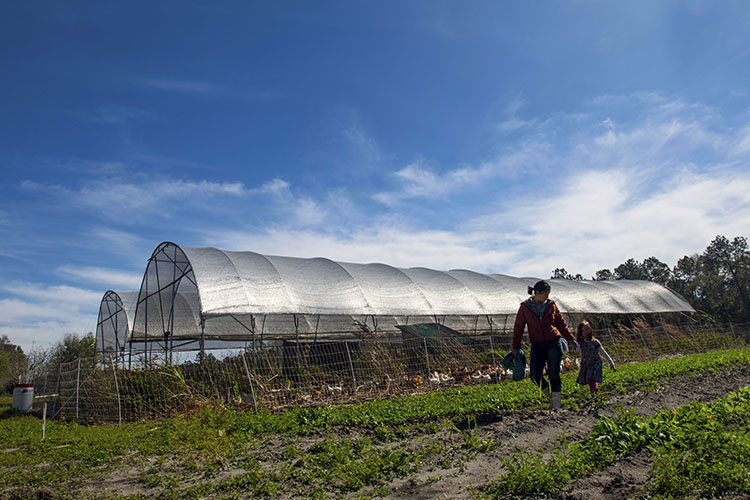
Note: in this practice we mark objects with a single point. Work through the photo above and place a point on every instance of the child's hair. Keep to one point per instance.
(540, 286)
(580, 330)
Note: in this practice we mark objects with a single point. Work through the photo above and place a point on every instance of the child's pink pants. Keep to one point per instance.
(592, 385)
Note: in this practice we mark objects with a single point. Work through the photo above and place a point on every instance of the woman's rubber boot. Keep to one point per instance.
(555, 400)
(546, 392)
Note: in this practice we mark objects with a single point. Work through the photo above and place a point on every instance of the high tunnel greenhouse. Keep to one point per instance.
(204, 298)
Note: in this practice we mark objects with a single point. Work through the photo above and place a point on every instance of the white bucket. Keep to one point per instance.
(23, 397)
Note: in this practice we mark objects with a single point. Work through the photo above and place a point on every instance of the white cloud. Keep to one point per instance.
(308, 212)
(124, 199)
(114, 279)
(664, 182)
(275, 187)
(600, 219)
(419, 180)
(741, 145)
(60, 294)
(35, 313)
(394, 245)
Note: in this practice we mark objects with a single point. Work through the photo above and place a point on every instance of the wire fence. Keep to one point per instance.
(330, 372)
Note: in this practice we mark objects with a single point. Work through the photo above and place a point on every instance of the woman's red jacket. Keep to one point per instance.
(551, 326)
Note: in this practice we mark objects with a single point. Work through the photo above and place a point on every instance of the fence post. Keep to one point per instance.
(252, 389)
(674, 351)
(117, 390)
(351, 367)
(427, 357)
(614, 345)
(695, 341)
(78, 386)
(648, 351)
(57, 391)
(717, 334)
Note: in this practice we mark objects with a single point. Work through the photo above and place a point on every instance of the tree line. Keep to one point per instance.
(716, 282)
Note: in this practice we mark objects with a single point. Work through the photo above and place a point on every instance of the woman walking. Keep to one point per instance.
(547, 328)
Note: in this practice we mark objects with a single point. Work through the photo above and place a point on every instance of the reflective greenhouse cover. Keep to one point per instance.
(222, 294)
(113, 325)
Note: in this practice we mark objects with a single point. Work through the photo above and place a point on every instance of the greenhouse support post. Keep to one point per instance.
(117, 391)
(252, 389)
(492, 349)
(351, 367)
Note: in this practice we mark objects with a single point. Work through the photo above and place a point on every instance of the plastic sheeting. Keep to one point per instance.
(113, 325)
(250, 283)
(217, 294)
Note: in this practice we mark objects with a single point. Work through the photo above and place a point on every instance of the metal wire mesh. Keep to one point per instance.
(316, 373)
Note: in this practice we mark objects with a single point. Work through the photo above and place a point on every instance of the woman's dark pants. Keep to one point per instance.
(549, 353)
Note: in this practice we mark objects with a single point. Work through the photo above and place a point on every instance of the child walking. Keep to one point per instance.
(591, 363)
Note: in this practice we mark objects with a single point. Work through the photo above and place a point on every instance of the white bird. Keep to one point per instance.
(334, 388)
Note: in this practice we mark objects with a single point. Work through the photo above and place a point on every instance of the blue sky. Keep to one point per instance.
(509, 137)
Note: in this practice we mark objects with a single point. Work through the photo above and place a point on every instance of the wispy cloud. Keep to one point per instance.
(127, 196)
(113, 278)
(120, 114)
(420, 180)
(365, 148)
(276, 187)
(177, 85)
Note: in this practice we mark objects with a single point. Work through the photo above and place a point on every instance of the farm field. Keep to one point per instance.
(676, 426)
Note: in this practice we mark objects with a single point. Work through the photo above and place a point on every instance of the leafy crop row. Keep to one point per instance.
(698, 449)
(474, 401)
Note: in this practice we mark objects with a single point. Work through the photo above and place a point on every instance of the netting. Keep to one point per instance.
(314, 373)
